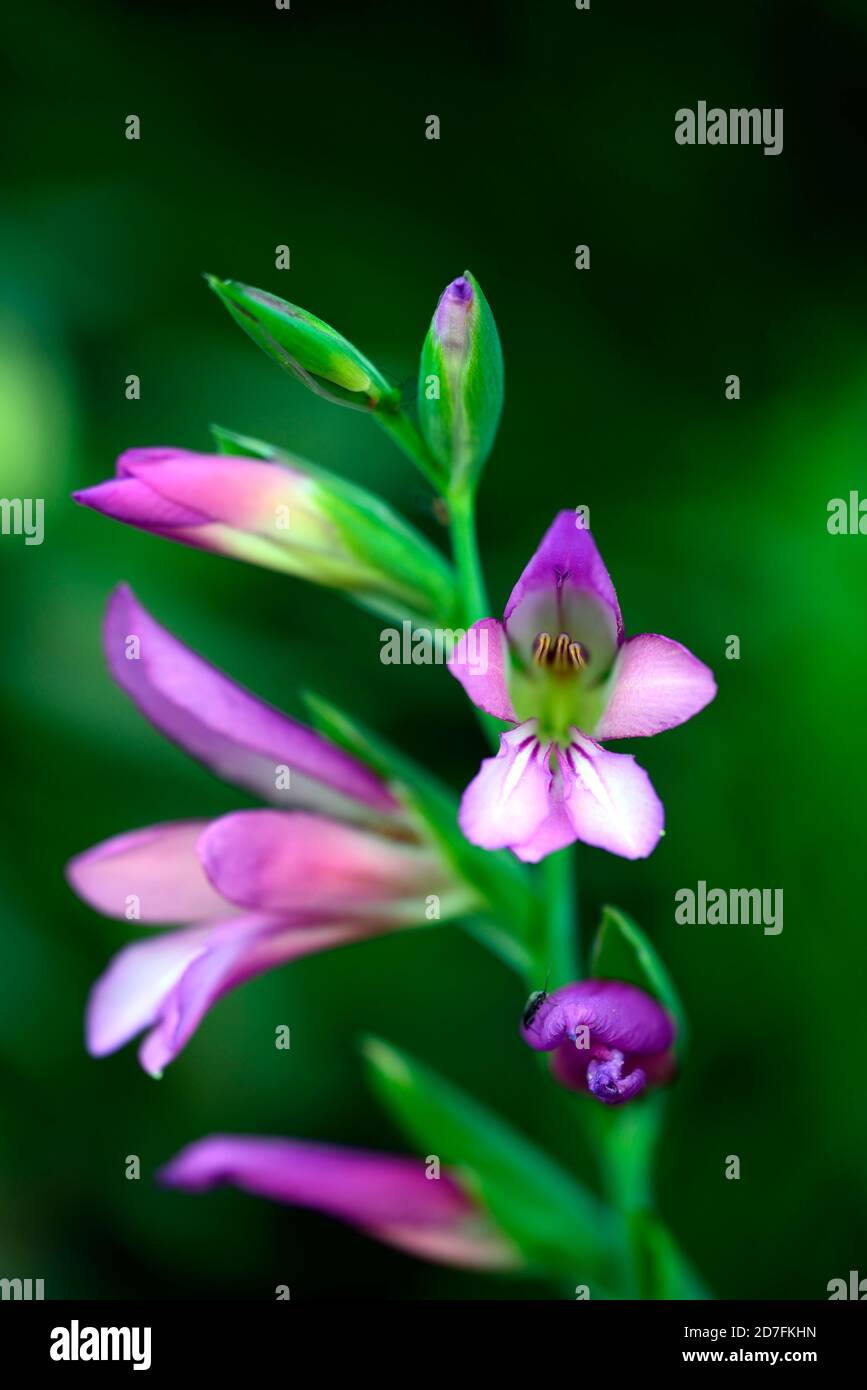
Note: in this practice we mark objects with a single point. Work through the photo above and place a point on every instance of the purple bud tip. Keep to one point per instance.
(460, 289)
(450, 317)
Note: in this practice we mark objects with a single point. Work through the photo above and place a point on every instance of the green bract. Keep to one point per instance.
(353, 540)
(313, 351)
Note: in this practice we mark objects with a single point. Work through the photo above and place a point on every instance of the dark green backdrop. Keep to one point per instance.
(307, 128)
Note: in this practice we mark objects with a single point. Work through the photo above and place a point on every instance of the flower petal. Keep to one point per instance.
(657, 684)
(226, 727)
(130, 994)
(566, 588)
(618, 1015)
(385, 1195)
(609, 799)
(263, 512)
(243, 493)
(158, 866)
(169, 982)
(231, 955)
(569, 1067)
(508, 800)
(280, 861)
(479, 662)
(128, 500)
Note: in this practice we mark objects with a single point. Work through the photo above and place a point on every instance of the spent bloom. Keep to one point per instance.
(608, 1038)
(560, 669)
(387, 1196)
(253, 888)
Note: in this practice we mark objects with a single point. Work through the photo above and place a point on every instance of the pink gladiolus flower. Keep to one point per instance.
(253, 888)
(387, 1196)
(608, 1038)
(559, 668)
(280, 513)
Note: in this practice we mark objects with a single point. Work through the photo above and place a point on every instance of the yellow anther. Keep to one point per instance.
(541, 648)
(563, 656)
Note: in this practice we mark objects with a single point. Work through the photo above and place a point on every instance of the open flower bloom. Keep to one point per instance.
(387, 1196)
(253, 888)
(282, 513)
(608, 1038)
(559, 668)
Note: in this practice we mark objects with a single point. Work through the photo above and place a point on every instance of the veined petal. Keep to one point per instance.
(231, 731)
(609, 799)
(480, 662)
(151, 875)
(555, 832)
(279, 861)
(566, 588)
(387, 1196)
(508, 800)
(656, 684)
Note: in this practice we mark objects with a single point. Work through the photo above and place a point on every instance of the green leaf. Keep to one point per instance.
(662, 1270)
(561, 1228)
(460, 384)
(497, 877)
(621, 951)
(365, 547)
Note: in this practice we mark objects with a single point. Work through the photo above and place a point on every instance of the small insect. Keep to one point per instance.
(533, 1005)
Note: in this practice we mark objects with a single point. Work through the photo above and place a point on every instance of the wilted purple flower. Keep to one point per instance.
(255, 888)
(389, 1197)
(608, 1038)
(560, 668)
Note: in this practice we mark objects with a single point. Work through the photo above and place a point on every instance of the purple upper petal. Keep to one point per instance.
(234, 733)
(566, 588)
(480, 662)
(657, 684)
(387, 1196)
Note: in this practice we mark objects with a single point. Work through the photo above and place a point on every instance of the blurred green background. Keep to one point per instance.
(307, 128)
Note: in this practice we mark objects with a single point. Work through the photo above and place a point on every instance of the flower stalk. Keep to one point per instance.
(355, 840)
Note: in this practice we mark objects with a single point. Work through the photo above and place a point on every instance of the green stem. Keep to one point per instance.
(471, 583)
(462, 520)
(562, 946)
(398, 424)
